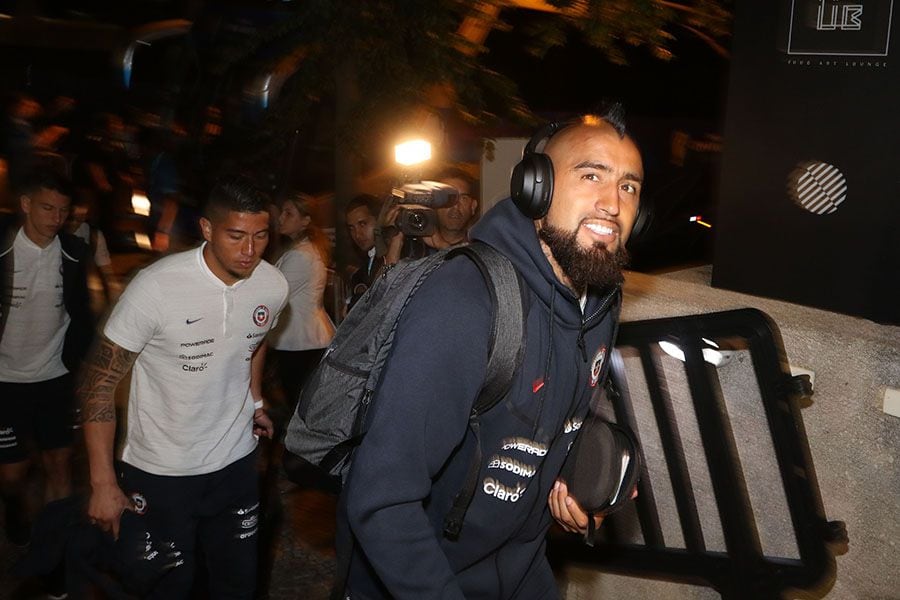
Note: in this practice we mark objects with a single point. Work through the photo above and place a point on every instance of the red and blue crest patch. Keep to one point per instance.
(261, 315)
(597, 365)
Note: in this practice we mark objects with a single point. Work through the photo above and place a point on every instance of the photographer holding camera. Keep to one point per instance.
(428, 216)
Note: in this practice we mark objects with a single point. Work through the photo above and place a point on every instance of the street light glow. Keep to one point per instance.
(412, 152)
(140, 204)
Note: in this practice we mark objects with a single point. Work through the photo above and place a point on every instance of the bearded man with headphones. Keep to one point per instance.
(575, 201)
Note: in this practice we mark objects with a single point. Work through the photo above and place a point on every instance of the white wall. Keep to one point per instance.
(497, 164)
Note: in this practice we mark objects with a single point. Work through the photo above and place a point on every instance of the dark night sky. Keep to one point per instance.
(575, 77)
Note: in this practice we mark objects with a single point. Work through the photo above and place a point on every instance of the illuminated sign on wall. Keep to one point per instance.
(840, 27)
(834, 15)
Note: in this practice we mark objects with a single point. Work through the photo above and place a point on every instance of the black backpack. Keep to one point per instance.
(330, 418)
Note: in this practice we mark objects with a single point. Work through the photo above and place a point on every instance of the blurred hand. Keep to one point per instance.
(262, 424)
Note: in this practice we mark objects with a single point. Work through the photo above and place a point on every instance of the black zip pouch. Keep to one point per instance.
(602, 468)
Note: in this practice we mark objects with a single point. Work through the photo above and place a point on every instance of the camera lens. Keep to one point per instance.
(417, 220)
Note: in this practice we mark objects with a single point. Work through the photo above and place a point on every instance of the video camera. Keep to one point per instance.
(416, 217)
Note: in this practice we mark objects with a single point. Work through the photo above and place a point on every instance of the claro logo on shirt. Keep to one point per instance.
(261, 315)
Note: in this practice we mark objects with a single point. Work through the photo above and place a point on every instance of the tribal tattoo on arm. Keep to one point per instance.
(104, 369)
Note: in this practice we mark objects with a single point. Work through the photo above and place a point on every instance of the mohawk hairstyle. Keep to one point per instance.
(613, 113)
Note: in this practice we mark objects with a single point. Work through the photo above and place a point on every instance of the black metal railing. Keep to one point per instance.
(742, 569)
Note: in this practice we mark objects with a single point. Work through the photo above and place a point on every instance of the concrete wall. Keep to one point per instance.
(496, 167)
(854, 443)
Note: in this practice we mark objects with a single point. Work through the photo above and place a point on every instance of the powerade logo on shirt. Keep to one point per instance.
(261, 315)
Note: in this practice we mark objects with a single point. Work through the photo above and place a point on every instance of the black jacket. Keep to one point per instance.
(75, 255)
(414, 457)
(362, 278)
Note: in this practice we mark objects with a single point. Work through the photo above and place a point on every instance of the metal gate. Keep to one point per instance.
(728, 496)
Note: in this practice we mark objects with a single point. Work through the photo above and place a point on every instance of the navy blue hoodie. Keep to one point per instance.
(414, 458)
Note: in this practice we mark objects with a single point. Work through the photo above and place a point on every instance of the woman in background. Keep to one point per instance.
(304, 329)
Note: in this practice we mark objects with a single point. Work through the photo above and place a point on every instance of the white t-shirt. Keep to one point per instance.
(33, 336)
(304, 325)
(189, 408)
(101, 252)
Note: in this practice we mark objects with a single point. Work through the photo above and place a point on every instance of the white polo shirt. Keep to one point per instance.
(35, 330)
(189, 408)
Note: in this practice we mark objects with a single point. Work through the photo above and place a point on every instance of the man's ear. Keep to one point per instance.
(25, 204)
(206, 228)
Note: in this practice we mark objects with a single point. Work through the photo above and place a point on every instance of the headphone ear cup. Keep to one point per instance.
(642, 221)
(531, 185)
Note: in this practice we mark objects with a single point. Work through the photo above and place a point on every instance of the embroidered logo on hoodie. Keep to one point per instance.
(597, 365)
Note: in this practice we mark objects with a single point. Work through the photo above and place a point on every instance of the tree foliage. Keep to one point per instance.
(615, 25)
(399, 53)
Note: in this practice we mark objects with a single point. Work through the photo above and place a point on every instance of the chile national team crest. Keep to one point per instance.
(139, 503)
(597, 365)
(261, 315)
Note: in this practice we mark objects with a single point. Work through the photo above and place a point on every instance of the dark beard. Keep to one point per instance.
(592, 267)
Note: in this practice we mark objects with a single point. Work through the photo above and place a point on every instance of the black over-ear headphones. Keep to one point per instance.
(531, 185)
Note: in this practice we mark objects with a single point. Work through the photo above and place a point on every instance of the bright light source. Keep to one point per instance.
(140, 204)
(143, 241)
(715, 357)
(698, 219)
(412, 152)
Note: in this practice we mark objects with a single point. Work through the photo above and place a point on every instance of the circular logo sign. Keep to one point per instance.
(261, 315)
(817, 187)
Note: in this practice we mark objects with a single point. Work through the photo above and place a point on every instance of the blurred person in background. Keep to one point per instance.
(304, 329)
(162, 185)
(361, 215)
(45, 329)
(31, 137)
(102, 172)
(81, 224)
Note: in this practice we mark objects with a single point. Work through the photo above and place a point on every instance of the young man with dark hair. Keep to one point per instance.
(192, 325)
(45, 330)
(416, 454)
(362, 215)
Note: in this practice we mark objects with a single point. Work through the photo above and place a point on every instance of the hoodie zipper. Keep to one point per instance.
(604, 306)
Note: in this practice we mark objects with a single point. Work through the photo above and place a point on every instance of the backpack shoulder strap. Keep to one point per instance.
(504, 356)
(507, 323)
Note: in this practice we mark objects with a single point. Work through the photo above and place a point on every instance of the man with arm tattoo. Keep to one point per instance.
(191, 328)
(102, 372)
